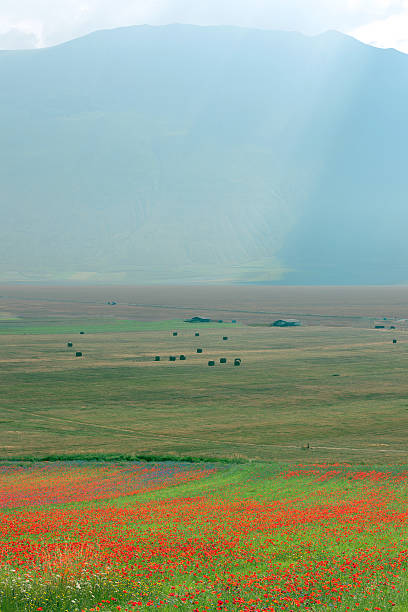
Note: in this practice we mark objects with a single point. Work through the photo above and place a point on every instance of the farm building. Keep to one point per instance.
(286, 323)
(197, 320)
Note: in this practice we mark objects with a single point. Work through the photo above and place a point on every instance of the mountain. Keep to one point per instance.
(188, 154)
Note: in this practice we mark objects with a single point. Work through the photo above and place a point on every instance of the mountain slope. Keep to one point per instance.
(182, 153)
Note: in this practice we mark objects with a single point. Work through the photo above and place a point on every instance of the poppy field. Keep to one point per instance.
(194, 537)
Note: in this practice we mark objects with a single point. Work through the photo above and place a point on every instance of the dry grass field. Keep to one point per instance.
(342, 390)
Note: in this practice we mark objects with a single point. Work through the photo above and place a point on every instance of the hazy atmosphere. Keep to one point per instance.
(227, 142)
(26, 24)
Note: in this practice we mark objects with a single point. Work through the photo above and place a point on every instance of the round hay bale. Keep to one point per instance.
(225, 337)
(172, 358)
(182, 357)
(211, 363)
(78, 354)
(196, 334)
(175, 333)
(223, 360)
(394, 341)
(157, 358)
(70, 344)
(199, 350)
(237, 362)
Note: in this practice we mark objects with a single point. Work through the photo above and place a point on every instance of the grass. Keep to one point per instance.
(93, 326)
(117, 401)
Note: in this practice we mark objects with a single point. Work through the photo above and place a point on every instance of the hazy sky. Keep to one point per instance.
(37, 23)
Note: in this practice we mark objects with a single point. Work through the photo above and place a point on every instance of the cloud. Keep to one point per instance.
(47, 22)
(391, 32)
(18, 39)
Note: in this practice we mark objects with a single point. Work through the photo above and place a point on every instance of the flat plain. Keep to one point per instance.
(334, 389)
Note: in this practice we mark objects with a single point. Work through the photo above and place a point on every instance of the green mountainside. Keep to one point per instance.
(188, 154)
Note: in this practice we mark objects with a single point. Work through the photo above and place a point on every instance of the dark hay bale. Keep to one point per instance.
(199, 350)
(394, 341)
(70, 344)
(223, 360)
(182, 357)
(175, 333)
(81, 332)
(225, 337)
(78, 354)
(211, 363)
(157, 358)
(237, 362)
(172, 358)
(196, 334)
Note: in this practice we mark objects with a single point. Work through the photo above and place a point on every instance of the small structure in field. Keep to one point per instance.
(379, 326)
(78, 354)
(197, 334)
(225, 337)
(237, 361)
(211, 363)
(220, 321)
(175, 333)
(197, 320)
(70, 344)
(223, 360)
(394, 341)
(172, 358)
(286, 323)
(182, 357)
(157, 358)
(233, 321)
(82, 332)
(199, 350)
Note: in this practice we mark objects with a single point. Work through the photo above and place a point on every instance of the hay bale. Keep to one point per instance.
(225, 337)
(70, 344)
(199, 350)
(78, 354)
(211, 363)
(172, 358)
(196, 334)
(223, 360)
(157, 358)
(237, 362)
(175, 333)
(182, 357)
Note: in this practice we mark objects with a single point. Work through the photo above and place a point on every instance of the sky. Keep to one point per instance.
(28, 24)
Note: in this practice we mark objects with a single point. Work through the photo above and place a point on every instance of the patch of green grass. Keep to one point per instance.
(93, 326)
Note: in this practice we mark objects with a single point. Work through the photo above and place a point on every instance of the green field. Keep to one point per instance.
(310, 393)
(12, 326)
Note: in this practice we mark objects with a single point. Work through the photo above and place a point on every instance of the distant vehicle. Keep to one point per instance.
(286, 323)
(197, 320)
